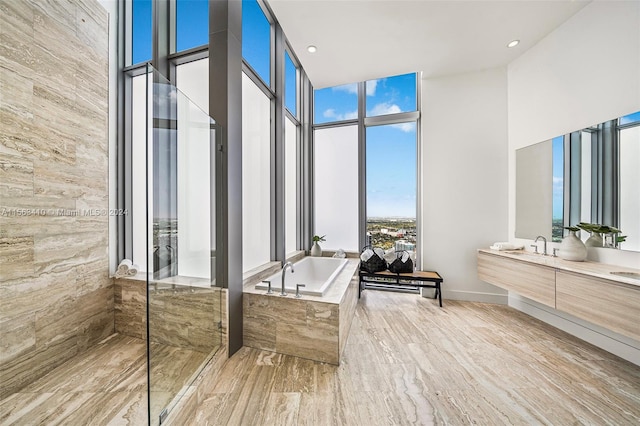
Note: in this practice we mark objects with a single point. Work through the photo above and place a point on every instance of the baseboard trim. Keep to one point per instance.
(468, 296)
(607, 340)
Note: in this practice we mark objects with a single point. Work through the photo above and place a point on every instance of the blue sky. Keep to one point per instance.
(192, 27)
(391, 149)
(558, 176)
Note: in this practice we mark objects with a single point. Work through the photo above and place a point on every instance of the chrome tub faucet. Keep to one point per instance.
(284, 269)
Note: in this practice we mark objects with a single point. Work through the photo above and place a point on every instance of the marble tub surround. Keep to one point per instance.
(56, 296)
(310, 327)
(181, 316)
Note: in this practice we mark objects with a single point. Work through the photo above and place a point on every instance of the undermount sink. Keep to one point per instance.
(632, 275)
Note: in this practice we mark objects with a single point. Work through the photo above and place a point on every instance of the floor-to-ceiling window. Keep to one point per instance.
(336, 167)
(337, 186)
(372, 127)
(167, 161)
(292, 160)
(257, 99)
(187, 32)
(256, 176)
(391, 162)
(272, 161)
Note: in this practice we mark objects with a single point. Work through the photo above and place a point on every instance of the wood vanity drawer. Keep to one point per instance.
(606, 303)
(532, 281)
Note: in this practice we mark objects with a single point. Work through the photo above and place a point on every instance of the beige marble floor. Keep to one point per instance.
(104, 385)
(407, 361)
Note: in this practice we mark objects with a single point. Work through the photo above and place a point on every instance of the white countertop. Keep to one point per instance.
(594, 269)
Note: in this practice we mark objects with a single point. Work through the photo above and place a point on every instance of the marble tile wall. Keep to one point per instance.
(314, 328)
(130, 305)
(56, 297)
(184, 316)
(298, 327)
(348, 311)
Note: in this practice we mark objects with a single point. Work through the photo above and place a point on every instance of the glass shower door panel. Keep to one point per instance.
(184, 306)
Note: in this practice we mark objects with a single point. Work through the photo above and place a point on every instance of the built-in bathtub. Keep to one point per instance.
(314, 326)
(315, 273)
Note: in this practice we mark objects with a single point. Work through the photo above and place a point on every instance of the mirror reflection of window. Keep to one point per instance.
(629, 192)
(595, 175)
(557, 217)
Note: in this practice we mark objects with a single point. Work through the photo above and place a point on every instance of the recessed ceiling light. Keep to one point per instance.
(513, 43)
(312, 49)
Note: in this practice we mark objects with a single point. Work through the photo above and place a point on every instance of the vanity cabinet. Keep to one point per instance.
(533, 281)
(612, 305)
(586, 290)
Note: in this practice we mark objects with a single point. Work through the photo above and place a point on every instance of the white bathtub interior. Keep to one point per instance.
(316, 273)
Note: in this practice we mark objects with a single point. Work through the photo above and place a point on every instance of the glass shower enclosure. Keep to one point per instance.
(184, 315)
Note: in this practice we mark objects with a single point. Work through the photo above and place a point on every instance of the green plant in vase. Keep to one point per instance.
(595, 239)
(610, 235)
(316, 250)
(602, 235)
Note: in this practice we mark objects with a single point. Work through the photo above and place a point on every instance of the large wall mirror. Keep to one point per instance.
(591, 175)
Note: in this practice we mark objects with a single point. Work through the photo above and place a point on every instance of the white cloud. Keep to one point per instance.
(371, 87)
(352, 88)
(334, 116)
(329, 113)
(384, 108)
(405, 127)
(349, 88)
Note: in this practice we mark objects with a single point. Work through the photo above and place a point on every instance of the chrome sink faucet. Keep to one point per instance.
(284, 269)
(545, 243)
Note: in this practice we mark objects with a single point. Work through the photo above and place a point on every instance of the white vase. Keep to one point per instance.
(316, 250)
(595, 240)
(572, 248)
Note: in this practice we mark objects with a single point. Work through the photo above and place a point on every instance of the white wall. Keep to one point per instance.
(585, 72)
(464, 178)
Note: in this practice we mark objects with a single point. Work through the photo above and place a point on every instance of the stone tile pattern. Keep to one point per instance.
(347, 312)
(183, 317)
(130, 306)
(407, 361)
(304, 328)
(106, 384)
(56, 297)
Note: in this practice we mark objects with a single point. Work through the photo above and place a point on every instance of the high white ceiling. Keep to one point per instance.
(366, 39)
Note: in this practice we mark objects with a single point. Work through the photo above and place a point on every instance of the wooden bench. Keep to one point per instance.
(413, 279)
